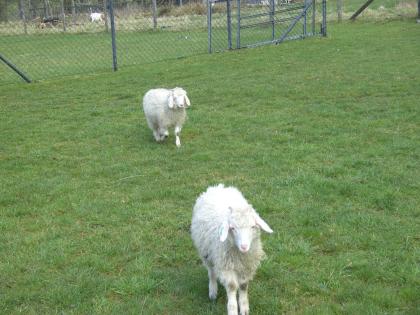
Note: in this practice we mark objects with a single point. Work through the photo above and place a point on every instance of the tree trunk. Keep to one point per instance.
(106, 17)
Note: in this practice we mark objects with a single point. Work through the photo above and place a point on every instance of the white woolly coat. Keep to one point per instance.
(209, 213)
(157, 112)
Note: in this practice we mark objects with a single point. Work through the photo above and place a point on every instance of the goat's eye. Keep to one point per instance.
(254, 226)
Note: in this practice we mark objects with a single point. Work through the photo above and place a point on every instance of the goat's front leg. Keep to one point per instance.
(232, 304)
(156, 135)
(243, 299)
(177, 133)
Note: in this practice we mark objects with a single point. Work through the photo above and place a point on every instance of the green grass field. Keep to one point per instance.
(85, 48)
(321, 135)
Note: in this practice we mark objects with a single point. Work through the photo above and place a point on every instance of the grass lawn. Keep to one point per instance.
(322, 136)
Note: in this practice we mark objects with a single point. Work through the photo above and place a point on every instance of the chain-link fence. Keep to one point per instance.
(240, 24)
(47, 38)
(376, 10)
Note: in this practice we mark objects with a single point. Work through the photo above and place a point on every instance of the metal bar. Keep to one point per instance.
(15, 69)
(294, 37)
(304, 20)
(229, 23)
(292, 25)
(114, 43)
(324, 18)
(238, 30)
(313, 16)
(292, 8)
(254, 15)
(272, 9)
(284, 19)
(267, 22)
(295, 8)
(256, 24)
(360, 10)
(209, 16)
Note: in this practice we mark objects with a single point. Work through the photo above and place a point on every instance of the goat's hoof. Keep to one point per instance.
(213, 297)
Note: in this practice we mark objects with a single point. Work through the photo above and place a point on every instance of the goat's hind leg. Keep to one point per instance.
(212, 284)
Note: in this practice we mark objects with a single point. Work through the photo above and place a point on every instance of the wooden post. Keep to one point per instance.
(73, 12)
(22, 15)
(106, 17)
(154, 10)
(113, 40)
(340, 10)
(63, 15)
(313, 16)
(361, 9)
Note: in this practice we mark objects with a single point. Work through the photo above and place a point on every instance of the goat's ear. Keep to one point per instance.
(262, 224)
(187, 100)
(224, 231)
(171, 101)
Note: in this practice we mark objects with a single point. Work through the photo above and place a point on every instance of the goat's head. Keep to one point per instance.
(243, 225)
(178, 98)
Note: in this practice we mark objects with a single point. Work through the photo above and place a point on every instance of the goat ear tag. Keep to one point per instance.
(223, 231)
(170, 101)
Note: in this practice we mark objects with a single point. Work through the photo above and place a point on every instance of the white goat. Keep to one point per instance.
(96, 17)
(166, 108)
(226, 232)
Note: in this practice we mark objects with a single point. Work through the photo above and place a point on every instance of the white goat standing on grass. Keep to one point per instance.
(96, 17)
(166, 108)
(226, 232)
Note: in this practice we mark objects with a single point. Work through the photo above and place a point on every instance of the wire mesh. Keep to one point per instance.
(46, 39)
(53, 38)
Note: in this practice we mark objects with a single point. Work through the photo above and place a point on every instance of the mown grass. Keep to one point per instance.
(321, 135)
(86, 48)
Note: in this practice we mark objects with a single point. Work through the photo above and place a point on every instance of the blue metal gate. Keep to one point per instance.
(234, 24)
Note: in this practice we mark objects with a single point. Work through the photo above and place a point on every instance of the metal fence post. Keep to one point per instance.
(15, 69)
(229, 23)
(305, 16)
(238, 30)
(324, 18)
(313, 16)
(272, 8)
(209, 25)
(114, 44)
